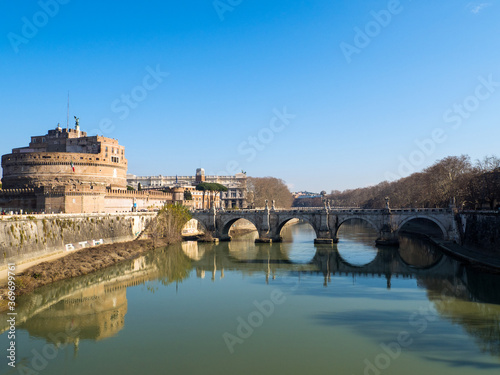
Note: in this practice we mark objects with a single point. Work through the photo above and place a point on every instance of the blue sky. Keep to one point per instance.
(323, 94)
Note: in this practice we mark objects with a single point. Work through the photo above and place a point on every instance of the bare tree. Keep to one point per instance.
(271, 188)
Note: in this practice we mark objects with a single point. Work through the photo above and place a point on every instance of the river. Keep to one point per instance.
(285, 308)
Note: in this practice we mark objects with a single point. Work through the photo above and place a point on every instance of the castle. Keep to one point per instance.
(66, 171)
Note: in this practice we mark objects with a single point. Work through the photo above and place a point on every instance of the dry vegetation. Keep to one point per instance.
(270, 188)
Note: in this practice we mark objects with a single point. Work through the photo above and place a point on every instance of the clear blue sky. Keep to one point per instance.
(355, 105)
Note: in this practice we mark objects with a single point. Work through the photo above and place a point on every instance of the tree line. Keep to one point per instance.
(261, 188)
(454, 179)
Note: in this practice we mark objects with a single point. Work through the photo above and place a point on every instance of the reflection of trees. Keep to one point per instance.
(418, 253)
(471, 300)
(483, 287)
(481, 321)
(172, 264)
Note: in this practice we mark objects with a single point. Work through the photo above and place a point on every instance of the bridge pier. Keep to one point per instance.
(263, 240)
(324, 241)
(324, 235)
(387, 241)
(387, 237)
(267, 237)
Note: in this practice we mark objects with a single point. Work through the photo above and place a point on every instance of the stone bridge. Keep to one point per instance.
(326, 221)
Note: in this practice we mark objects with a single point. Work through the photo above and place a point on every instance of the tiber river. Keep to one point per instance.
(288, 308)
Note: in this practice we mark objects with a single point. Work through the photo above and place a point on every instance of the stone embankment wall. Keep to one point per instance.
(481, 230)
(24, 238)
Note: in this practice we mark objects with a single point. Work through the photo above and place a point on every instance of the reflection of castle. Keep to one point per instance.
(92, 314)
(95, 312)
(70, 172)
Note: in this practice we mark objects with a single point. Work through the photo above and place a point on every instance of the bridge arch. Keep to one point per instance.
(226, 225)
(357, 217)
(422, 217)
(287, 219)
(194, 226)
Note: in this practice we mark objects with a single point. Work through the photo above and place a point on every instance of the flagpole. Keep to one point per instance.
(67, 115)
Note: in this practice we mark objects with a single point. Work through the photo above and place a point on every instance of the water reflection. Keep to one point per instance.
(98, 312)
(97, 304)
(418, 253)
(357, 242)
(296, 245)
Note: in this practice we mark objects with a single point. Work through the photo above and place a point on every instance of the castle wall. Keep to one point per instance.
(25, 238)
(54, 169)
(119, 201)
(86, 199)
(84, 203)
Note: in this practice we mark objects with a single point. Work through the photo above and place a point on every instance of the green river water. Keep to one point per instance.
(285, 308)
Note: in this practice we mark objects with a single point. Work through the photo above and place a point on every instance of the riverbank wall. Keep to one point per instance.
(480, 230)
(24, 238)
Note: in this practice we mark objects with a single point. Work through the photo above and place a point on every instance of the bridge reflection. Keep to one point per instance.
(96, 304)
(272, 260)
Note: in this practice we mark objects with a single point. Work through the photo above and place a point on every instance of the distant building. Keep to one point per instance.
(66, 171)
(235, 197)
(306, 194)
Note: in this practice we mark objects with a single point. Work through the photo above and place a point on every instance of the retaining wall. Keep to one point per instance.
(481, 230)
(24, 238)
